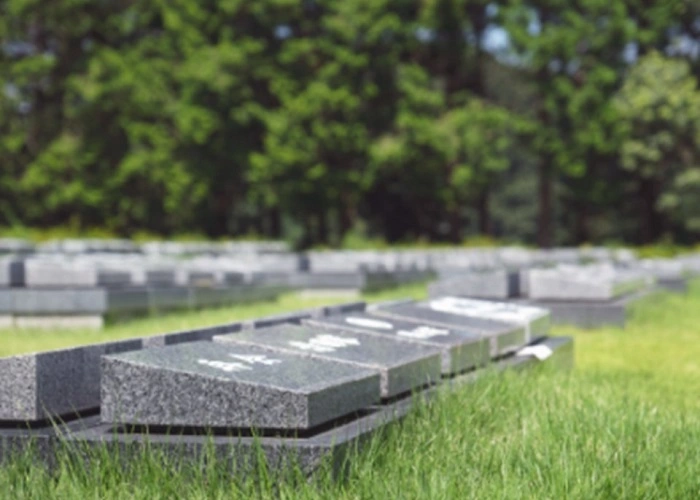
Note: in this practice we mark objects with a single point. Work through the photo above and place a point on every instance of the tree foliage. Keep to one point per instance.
(310, 119)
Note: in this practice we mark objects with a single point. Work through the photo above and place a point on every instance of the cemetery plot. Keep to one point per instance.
(231, 385)
(504, 338)
(461, 350)
(403, 366)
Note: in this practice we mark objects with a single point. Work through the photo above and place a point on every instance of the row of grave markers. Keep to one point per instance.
(296, 376)
(299, 376)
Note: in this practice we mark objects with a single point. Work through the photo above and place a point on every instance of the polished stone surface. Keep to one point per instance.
(205, 384)
(597, 283)
(11, 272)
(504, 338)
(54, 383)
(461, 350)
(404, 366)
(535, 319)
(487, 284)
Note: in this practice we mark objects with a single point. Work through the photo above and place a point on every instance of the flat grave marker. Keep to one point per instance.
(461, 350)
(403, 366)
(504, 338)
(536, 320)
(206, 384)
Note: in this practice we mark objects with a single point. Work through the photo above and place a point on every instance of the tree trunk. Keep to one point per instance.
(484, 212)
(347, 215)
(275, 223)
(582, 234)
(544, 225)
(322, 234)
(653, 223)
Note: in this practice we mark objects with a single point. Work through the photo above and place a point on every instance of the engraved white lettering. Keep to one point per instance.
(228, 367)
(423, 332)
(324, 343)
(369, 323)
(256, 358)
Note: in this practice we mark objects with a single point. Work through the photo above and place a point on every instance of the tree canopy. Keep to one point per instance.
(542, 121)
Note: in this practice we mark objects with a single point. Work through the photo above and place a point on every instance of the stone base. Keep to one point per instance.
(589, 314)
(322, 293)
(91, 322)
(237, 447)
(679, 285)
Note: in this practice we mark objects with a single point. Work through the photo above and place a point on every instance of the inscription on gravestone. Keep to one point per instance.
(403, 366)
(460, 350)
(207, 384)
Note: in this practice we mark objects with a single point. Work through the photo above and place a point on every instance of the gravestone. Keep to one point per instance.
(204, 384)
(536, 320)
(591, 283)
(485, 284)
(504, 338)
(403, 366)
(52, 384)
(11, 272)
(461, 350)
(54, 274)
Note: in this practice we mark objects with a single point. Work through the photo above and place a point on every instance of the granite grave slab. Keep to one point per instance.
(403, 366)
(56, 383)
(485, 284)
(307, 451)
(504, 338)
(205, 384)
(596, 283)
(11, 272)
(461, 350)
(536, 320)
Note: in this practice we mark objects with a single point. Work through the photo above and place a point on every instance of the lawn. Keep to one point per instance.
(624, 424)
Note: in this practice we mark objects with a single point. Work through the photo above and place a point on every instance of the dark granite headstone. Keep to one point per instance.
(11, 272)
(404, 366)
(45, 385)
(207, 384)
(504, 338)
(460, 350)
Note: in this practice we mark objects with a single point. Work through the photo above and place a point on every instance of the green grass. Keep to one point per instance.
(624, 424)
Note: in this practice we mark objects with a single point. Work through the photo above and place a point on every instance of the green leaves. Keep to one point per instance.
(659, 107)
(400, 118)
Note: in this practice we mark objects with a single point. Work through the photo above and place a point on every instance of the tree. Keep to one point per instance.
(482, 138)
(659, 109)
(574, 54)
(337, 67)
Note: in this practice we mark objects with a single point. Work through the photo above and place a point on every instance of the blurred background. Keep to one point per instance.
(354, 122)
